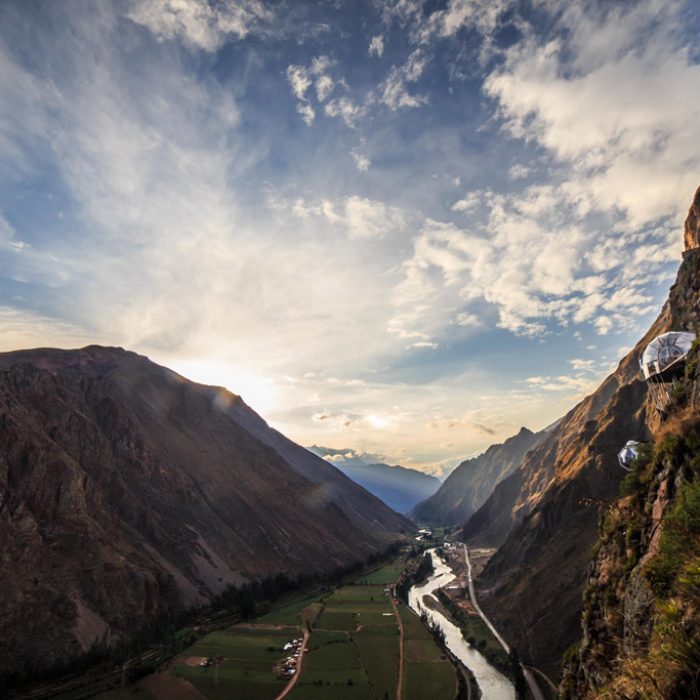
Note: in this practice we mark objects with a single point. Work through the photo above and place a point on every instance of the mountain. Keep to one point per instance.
(399, 487)
(471, 483)
(126, 490)
(545, 515)
(640, 627)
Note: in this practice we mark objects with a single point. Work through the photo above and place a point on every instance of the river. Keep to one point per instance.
(493, 684)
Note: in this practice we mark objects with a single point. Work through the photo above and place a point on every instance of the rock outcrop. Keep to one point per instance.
(126, 490)
(692, 224)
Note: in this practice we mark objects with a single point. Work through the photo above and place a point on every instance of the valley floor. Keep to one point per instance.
(358, 644)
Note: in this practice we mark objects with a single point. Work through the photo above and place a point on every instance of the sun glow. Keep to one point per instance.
(258, 391)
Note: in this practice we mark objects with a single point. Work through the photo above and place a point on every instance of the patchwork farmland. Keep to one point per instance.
(352, 652)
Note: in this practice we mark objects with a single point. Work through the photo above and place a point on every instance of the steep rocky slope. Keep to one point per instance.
(640, 635)
(641, 616)
(549, 508)
(471, 483)
(515, 497)
(125, 490)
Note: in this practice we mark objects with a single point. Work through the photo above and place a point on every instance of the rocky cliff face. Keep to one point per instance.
(126, 490)
(547, 512)
(640, 628)
(692, 224)
(517, 495)
(471, 483)
(641, 615)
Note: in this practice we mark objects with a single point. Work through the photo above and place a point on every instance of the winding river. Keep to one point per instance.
(493, 684)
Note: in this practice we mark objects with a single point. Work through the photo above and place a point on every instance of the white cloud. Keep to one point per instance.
(393, 90)
(344, 108)
(366, 218)
(362, 218)
(603, 324)
(586, 100)
(480, 14)
(376, 46)
(321, 65)
(423, 344)
(466, 204)
(307, 112)
(362, 162)
(200, 23)
(299, 80)
(29, 329)
(582, 365)
(324, 87)
(518, 171)
(8, 237)
(535, 262)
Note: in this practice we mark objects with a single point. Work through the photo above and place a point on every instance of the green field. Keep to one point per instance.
(352, 652)
(427, 671)
(429, 680)
(378, 647)
(389, 573)
(246, 672)
(353, 649)
(289, 614)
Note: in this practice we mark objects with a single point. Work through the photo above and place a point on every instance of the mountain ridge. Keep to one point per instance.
(545, 515)
(126, 489)
(472, 481)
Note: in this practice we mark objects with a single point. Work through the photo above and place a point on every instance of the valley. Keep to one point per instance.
(354, 642)
(163, 539)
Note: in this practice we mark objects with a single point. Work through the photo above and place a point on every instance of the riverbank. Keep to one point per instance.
(493, 684)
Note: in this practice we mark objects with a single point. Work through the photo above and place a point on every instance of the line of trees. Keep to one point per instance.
(165, 634)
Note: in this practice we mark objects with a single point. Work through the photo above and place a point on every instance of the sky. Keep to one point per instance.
(399, 227)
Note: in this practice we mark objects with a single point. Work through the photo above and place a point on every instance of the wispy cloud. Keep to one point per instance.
(248, 191)
(376, 46)
(200, 23)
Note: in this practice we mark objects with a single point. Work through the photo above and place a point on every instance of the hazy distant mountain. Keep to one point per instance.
(126, 489)
(471, 483)
(399, 487)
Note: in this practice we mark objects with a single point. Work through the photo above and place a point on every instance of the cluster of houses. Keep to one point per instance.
(211, 661)
(423, 535)
(288, 667)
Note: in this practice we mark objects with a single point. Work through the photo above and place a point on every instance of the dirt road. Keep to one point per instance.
(295, 677)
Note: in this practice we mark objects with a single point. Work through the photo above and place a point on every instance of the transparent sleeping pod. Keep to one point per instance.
(663, 364)
(628, 454)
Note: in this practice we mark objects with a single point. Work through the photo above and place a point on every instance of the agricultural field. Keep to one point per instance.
(352, 653)
(427, 671)
(353, 648)
(386, 575)
(294, 613)
(246, 670)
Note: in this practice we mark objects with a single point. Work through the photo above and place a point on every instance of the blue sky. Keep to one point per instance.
(403, 227)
